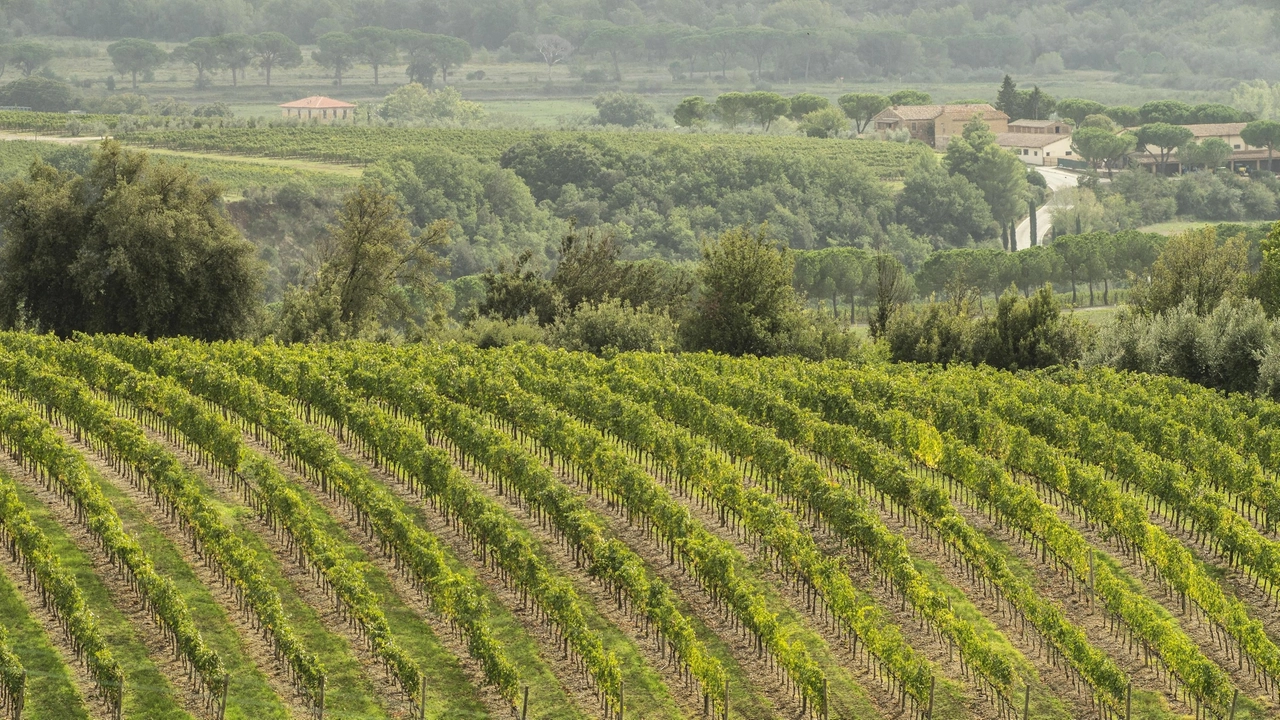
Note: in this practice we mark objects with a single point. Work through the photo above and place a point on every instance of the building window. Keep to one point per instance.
(1237, 146)
(1068, 152)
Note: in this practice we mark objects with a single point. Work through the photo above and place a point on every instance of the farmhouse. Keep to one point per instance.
(935, 124)
(1040, 127)
(1036, 148)
(1243, 155)
(318, 107)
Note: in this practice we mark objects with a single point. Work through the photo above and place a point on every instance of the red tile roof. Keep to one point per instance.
(318, 102)
(1215, 129)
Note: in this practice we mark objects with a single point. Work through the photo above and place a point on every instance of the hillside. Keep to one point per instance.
(376, 532)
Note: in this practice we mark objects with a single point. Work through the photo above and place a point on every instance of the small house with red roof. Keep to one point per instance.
(318, 107)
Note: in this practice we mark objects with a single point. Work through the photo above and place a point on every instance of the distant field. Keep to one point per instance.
(359, 144)
(235, 175)
(523, 90)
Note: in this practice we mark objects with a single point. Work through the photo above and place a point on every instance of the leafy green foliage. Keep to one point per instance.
(134, 246)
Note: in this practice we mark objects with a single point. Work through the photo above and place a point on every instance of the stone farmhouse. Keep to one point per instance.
(1243, 157)
(318, 107)
(935, 124)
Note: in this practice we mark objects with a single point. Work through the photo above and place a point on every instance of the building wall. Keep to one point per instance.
(1047, 155)
(952, 123)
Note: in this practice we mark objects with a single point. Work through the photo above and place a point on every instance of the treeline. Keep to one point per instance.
(777, 41)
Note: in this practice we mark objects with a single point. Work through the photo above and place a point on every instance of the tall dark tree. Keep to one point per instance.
(134, 246)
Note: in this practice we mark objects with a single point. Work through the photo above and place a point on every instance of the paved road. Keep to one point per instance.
(1057, 180)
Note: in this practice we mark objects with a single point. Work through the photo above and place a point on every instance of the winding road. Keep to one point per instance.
(1057, 180)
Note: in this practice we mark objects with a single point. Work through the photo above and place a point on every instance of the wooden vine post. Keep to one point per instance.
(222, 703)
(1234, 698)
(933, 684)
(726, 698)
(320, 705)
(1128, 700)
(422, 697)
(1026, 703)
(524, 705)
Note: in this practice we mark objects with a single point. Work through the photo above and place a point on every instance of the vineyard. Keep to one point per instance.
(358, 145)
(365, 531)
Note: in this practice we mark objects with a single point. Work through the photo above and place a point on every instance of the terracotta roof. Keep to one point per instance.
(973, 109)
(1029, 140)
(318, 102)
(930, 112)
(1215, 129)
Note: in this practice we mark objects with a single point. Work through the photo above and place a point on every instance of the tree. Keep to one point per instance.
(1097, 146)
(1173, 112)
(691, 111)
(1077, 109)
(766, 107)
(337, 52)
(30, 56)
(274, 50)
(447, 53)
(1162, 137)
(892, 292)
(861, 107)
(1266, 285)
(910, 97)
(732, 108)
(824, 123)
(949, 209)
(1193, 268)
(1007, 99)
(202, 53)
(1210, 154)
(613, 40)
(134, 246)
(132, 56)
(376, 47)
(373, 273)
(553, 49)
(237, 53)
(39, 94)
(625, 109)
(4, 58)
(802, 104)
(1037, 104)
(516, 290)
(1130, 61)
(747, 301)
(414, 103)
(759, 41)
(999, 174)
(1124, 115)
(1263, 133)
(419, 46)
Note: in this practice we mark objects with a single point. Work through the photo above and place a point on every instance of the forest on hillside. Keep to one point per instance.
(1176, 44)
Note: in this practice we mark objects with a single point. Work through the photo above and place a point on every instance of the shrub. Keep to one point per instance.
(624, 109)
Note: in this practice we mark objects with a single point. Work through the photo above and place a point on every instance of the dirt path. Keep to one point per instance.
(127, 602)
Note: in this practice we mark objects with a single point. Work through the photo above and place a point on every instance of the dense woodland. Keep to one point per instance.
(911, 40)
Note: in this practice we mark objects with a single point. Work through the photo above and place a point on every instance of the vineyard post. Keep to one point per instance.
(22, 697)
(321, 716)
(826, 712)
(120, 701)
(726, 698)
(1235, 697)
(1091, 578)
(1128, 700)
(1026, 703)
(422, 698)
(620, 700)
(933, 684)
(524, 705)
(222, 704)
